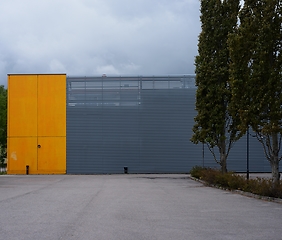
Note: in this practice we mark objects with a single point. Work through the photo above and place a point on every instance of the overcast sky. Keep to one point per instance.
(93, 37)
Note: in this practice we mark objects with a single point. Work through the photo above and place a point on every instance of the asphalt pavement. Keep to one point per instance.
(130, 207)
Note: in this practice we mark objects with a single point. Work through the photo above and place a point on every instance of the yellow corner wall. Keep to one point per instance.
(36, 123)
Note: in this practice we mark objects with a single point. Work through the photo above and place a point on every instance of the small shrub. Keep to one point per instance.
(196, 171)
(236, 182)
(210, 176)
(265, 187)
(223, 179)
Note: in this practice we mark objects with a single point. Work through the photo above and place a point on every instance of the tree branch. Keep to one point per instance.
(260, 139)
(212, 152)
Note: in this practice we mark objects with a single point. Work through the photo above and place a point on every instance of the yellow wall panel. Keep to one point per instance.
(21, 152)
(22, 105)
(52, 105)
(52, 155)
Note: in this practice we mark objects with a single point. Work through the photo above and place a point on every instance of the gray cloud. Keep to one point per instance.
(92, 37)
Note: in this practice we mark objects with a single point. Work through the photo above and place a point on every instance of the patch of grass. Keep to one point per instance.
(232, 181)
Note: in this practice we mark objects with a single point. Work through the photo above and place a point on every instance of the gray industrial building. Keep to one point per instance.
(143, 124)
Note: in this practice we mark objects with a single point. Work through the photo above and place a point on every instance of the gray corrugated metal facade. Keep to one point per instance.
(142, 123)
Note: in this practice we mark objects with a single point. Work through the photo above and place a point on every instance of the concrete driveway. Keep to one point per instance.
(130, 207)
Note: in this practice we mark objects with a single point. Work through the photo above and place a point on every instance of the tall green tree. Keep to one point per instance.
(214, 125)
(3, 123)
(256, 74)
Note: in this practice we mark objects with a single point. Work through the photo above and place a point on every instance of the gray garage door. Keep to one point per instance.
(142, 123)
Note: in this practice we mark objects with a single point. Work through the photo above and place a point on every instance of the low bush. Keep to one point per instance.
(197, 171)
(232, 181)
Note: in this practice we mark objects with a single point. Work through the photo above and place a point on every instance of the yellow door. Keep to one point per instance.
(51, 124)
(22, 152)
(22, 105)
(51, 155)
(51, 105)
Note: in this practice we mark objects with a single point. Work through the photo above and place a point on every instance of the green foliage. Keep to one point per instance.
(214, 125)
(256, 77)
(265, 187)
(232, 181)
(256, 65)
(3, 124)
(209, 175)
(196, 171)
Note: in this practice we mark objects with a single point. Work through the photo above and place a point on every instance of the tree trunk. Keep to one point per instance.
(222, 151)
(274, 159)
(275, 172)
